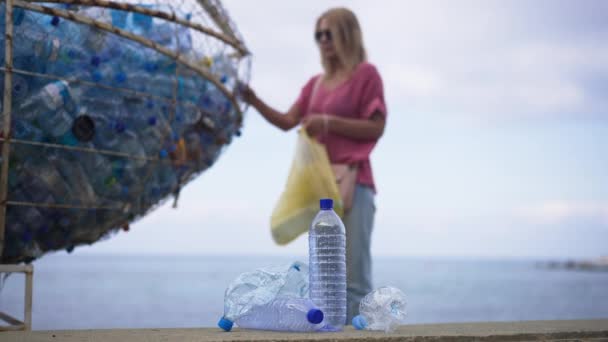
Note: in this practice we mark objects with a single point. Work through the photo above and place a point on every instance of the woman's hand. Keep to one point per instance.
(246, 93)
(317, 124)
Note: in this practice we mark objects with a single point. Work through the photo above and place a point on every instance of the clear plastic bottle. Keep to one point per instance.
(92, 37)
(224, 68)
(281, 314)
(327, 244)
(23, 130)
(381, 309)
(51, 98)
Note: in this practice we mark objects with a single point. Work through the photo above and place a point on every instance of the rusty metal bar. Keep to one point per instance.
(6, 125)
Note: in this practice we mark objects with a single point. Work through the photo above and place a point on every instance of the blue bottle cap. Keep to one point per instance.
(314, 316)
(327, 204)
(119, 126)
(163, 153)
(97, 76)
(120, 77)
(225, 324)
(95, 61)
(55, 21)
(359, 322)
(151, 67)
(152, 120)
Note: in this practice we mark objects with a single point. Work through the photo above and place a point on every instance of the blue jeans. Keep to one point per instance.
(359, 224)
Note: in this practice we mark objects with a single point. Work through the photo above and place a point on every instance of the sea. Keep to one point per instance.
(143, 291)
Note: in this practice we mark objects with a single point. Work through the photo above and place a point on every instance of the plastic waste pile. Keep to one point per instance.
(113, 129)
(294, 298)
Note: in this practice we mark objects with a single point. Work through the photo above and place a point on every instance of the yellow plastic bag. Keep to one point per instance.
(310, 179)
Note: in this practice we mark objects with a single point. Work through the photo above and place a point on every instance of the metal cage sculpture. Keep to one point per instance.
(109, 107)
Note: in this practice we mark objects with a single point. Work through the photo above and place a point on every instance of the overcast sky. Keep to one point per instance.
(496, 140)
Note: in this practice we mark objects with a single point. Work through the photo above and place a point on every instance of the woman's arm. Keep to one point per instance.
(360, 129)
(284, 121)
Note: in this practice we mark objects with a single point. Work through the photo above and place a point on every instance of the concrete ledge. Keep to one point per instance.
(581, 330)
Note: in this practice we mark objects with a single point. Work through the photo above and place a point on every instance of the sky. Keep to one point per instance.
(495, 143)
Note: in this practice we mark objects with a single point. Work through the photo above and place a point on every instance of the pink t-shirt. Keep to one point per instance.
(357, 98)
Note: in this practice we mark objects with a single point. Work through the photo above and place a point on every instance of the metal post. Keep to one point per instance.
(7, 103)
(29, 289)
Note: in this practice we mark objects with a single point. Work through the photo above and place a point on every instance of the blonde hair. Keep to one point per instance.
(347, 38)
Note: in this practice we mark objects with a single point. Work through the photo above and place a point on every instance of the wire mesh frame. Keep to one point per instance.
(229, 37)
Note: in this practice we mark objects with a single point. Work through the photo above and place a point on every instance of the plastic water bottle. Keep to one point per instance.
(262, 286)
(53, 107)
(74, 60)
(224, 69)
(119, 18)
(81, 190)
(175, 37)
(32, 41)
(19, 15)
(129, 144)
(215, 102)
(167, 177)
(327, 244)
(93, 38)
(281, 314)
(188, 89)
(109, 74)
(163, 33)
(47, 173)
(21, 87)
(23, 130)
(381, 309)
(106, 133)
(151, 136)
(99, 170)
(142, 23)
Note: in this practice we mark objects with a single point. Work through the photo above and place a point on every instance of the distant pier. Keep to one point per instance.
(600, 264)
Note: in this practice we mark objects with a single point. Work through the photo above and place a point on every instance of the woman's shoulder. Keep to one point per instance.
(367, 70)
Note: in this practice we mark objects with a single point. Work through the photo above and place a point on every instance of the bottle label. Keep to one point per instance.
(56, 44)
(59, 93)
(54, 91)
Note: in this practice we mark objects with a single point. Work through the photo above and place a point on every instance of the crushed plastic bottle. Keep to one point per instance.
(281, 314)
(262, 286)
(381, 309)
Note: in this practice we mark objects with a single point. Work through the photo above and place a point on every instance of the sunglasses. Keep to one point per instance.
(324, 33)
